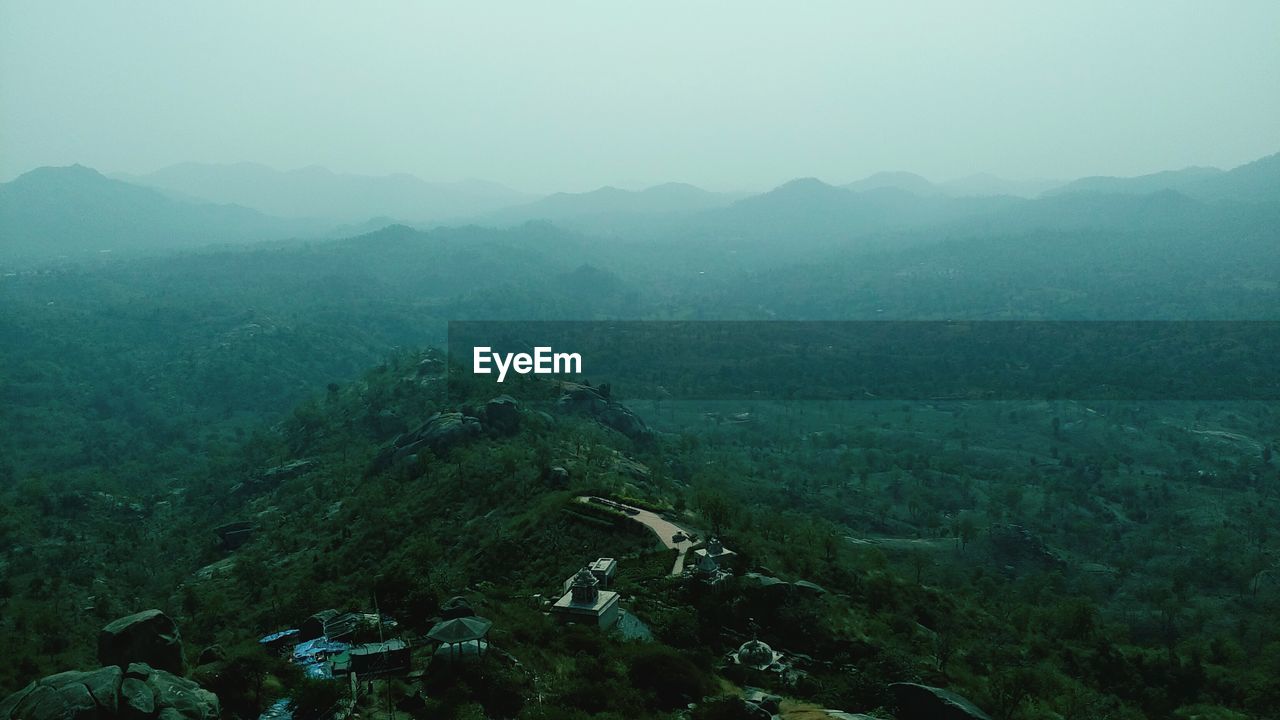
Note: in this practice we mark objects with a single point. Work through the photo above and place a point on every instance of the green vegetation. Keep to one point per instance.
(1042, 558)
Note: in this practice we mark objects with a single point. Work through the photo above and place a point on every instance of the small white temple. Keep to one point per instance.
(585, 602)
(715, 550)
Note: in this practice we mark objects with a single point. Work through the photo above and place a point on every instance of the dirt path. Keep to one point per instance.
(663, 528)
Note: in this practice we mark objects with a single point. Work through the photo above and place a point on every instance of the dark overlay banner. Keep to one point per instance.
(881, 360)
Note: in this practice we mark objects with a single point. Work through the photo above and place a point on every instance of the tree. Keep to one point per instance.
(966, 529)
(919, 560)
(713, 505)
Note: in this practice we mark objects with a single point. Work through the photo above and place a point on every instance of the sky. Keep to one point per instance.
(554, 95)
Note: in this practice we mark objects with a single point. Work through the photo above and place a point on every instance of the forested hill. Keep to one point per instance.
(55, 212)
(992, 548)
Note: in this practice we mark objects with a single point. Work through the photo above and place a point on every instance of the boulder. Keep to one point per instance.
(921, 702)
(387, 423)
(762, 699)
(501, 415)
(557, 478)
(147, 637)
(456, 607)
(65, 696)
(211, 654)
(110, 693)
(136, 699)
(176, 698)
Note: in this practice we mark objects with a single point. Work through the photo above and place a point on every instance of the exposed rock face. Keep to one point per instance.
(147, 637)
(440, 432)
(280, 473)
(921, 702)
(110, 693)
(232, 535)
(586, 400)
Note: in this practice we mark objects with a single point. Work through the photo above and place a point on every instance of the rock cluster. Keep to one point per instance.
(138, 692)
(595, 403)
(140, 679)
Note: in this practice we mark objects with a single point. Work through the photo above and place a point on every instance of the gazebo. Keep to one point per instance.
(457, 632)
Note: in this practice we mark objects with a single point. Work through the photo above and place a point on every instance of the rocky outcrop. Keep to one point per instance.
(149, 637)
(596, 403)
(440, 432)
(232, 535)
(139, 692)
(921, 702)
(280, 473)
(271, 477)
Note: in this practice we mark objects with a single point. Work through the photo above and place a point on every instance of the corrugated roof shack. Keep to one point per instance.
(314, 626)
(382, 658)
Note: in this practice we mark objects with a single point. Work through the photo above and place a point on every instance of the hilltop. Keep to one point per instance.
(73, 210)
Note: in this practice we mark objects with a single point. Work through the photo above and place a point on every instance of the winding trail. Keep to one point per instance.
(663, 528)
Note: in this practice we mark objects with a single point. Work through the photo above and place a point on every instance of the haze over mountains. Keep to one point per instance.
(316, 192)
(50, 212)
(53, 211)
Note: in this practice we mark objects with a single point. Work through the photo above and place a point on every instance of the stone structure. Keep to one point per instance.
(757, 654)
(604, 569)
(716, 550)
(586, 602)
(460, 636)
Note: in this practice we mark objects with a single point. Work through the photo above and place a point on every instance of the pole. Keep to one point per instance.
(383, 639)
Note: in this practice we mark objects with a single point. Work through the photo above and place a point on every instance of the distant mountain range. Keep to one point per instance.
(316, 192)
(1258, 181)
(612, 201)
(57, 211)
(982, 185)
(54, 211)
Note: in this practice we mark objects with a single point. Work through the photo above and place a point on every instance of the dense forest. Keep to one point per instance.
(1042, 556)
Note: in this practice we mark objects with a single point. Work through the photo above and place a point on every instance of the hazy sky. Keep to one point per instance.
(553, 95)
